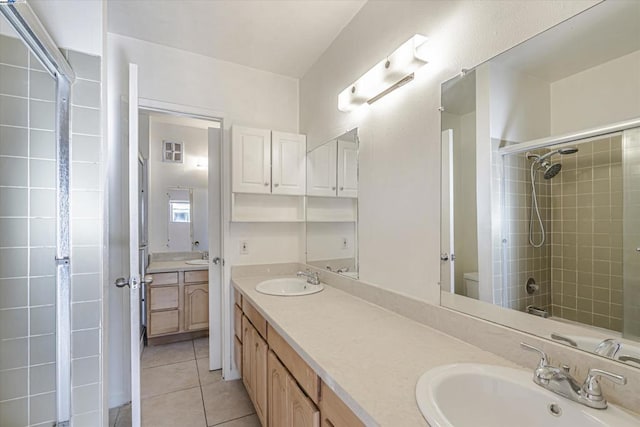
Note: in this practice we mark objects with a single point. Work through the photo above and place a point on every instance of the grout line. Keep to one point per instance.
(233, 419)
(204, 408)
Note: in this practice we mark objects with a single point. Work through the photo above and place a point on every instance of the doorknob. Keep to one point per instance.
(147, 279)
(444, 256)
(121, 282)
(216, 260)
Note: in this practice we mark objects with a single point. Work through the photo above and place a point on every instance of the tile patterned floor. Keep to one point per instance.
(179, 390)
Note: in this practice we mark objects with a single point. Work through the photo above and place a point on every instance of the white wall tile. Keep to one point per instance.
(42, 144)
(86, 398)
(13, 292)
(13, 262)
(42, 115)
(85, 259)
(14, 201)
(42, 379)
(13, 111)
(13, 412)
(13, 172)
(14, 383)
(42, 262)
(85, 343)
(42, 290)
(13, 353)
(43, 232)
(42, 408)
(85, 176)
(13, 232)
(13, 141)
(86, 232)
(42, 86)
(43, 203)
(85, 287)
(85, 315)
(42, 173)
(85, 204)
(43, 320)
(86, 371)
(85, 121)
(40, 349)
(85, 148)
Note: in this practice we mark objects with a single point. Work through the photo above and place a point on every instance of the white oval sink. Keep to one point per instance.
(288, 286)
(197, 262)
(464, 395)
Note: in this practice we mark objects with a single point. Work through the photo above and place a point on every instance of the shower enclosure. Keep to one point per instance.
(35, 319)
(570, 211)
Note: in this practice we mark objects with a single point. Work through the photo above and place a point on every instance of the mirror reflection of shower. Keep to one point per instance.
(544, 164)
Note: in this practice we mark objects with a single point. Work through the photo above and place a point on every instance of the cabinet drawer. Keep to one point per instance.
(333, 411)
(163, 297)
(237, 354)
(164, 322)
(165, 279)
(197, 276)
(302, 372)
(255, 317)
(237, 321)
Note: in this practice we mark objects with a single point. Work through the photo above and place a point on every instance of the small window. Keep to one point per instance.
(172, 152)
(180, 211)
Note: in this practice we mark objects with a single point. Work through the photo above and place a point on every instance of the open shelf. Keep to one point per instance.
(246, 207)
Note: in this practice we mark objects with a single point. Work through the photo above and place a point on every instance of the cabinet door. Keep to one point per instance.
(347, 169)
(248, 351)
(334, 411)
(278, 402)
(237, 354)
(260, 376)
(288, 163)
(302, 411)
(321, 170)
(251, 160)
(196, 307)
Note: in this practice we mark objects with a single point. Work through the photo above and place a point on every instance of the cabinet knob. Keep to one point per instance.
(266, 184)
(333, 188)
(276, 185)
(341, 188)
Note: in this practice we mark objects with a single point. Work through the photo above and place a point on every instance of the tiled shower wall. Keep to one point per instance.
(586, 241)
(523, 260)
(27, 239)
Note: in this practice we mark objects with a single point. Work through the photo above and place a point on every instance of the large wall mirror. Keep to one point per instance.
(541, 185)
(332, 205)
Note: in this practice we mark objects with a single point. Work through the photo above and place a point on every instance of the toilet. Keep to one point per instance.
(471, 286)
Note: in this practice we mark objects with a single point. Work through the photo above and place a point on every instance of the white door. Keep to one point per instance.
(216, 249)
(321, 170)
(347, 169)
(288, 163)
(447, 257)
(251, 160)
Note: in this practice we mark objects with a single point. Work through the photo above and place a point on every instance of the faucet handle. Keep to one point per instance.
(591, 385)
(544, 359)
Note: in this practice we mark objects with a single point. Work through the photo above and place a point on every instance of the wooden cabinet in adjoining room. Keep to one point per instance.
(196, 307)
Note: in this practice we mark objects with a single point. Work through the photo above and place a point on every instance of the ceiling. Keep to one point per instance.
(282, 36)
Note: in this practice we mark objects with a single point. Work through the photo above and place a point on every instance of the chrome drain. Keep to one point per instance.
(554, 409)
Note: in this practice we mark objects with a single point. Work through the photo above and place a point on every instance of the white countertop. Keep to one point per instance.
(371, 357)
(166, 266)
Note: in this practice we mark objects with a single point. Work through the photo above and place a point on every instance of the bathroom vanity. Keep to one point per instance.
(177, 301)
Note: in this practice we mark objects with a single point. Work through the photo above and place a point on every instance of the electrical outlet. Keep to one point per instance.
(345, 243)
(244, 247)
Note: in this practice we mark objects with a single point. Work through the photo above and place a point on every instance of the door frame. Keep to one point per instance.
(228, 368)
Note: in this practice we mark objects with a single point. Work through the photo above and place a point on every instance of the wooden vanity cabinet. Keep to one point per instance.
(177, 303)
(254, 368)
(334, 412)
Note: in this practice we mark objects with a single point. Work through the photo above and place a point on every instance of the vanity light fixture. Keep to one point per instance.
(394, 71)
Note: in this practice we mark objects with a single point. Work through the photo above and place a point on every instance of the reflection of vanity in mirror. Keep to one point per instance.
(541, 185)
(332, 205)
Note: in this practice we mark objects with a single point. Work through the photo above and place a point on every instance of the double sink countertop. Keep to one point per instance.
(371, 357)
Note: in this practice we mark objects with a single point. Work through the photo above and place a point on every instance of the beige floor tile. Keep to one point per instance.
(181, 408)
(207, 376)
(250, 421)
(159, 355)
(168, 378)
(113, 416)
(226, 401)
(202, 347)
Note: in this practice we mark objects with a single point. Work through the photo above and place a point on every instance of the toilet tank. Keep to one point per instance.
(471, 285)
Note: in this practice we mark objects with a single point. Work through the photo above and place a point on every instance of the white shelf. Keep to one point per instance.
(247, 207)
(332, 209)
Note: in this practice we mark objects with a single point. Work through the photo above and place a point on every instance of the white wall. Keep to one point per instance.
(163, 176)
(239, 95)
(607, 93)
(400, 134)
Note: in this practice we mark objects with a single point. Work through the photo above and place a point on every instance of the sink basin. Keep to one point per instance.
(288, 287)
(464, 395)
(197, 262)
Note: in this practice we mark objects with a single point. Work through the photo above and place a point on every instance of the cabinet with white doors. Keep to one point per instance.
(268, 175)
(268, 162)
(333, 170)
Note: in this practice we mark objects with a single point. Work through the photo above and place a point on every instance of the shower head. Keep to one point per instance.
(551, 170)
(563, 151)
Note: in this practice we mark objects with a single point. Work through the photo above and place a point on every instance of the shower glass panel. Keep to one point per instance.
(631, 234)
(27, 236)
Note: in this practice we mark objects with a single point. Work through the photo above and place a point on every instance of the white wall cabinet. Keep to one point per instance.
(333, 170)
(266, 162)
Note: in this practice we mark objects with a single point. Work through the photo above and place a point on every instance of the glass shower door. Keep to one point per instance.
(27, 236)
(631, 233)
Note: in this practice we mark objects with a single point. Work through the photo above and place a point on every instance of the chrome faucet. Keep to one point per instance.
(560, 381)
(312, 278)
(608, 348)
